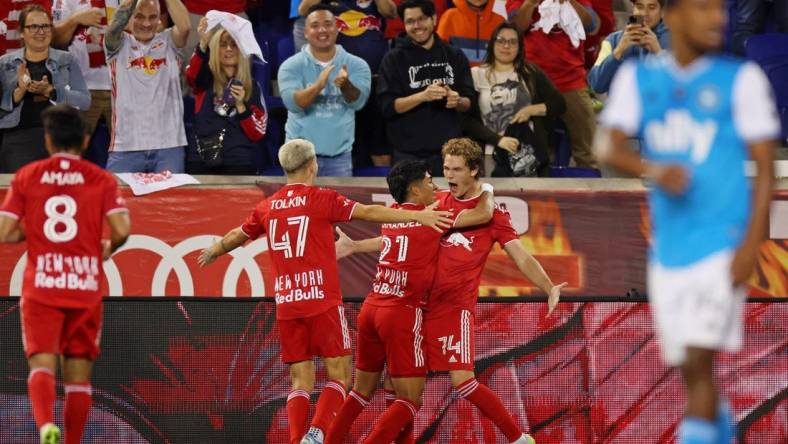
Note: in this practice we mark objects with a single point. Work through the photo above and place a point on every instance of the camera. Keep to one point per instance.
(636, 20)
(227, 96)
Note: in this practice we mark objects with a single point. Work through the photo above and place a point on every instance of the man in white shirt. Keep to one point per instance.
(147, 104)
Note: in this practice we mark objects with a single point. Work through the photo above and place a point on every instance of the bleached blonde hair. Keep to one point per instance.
(296, 154)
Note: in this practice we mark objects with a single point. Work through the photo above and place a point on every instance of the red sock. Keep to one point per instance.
(41, 390)
(76, 410)
(491, 406)
(392, 421)
(406, 435)
(328, 404)
(354, 404)
(297, 412)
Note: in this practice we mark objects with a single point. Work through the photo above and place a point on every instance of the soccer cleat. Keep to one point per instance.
(313, 436)
(50, 434)
(525, 439)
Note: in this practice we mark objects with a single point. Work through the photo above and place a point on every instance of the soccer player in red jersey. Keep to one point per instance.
(298, 222)
(64, 201)
(389, 324)
(449, 315)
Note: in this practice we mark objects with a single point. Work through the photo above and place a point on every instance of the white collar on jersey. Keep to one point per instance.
(686, 72)
(67, 155)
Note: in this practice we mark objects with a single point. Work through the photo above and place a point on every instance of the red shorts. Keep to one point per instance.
(450, 341)
(71, 332)
(325, 335)
(392, 336)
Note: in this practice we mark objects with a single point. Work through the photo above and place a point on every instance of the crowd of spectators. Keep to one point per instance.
(370, 82)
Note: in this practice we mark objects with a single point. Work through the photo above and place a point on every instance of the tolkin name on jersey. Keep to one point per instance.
(62, 178)
(282, 204)
(390, 282)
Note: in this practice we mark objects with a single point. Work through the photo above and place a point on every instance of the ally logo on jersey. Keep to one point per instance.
(679, 135)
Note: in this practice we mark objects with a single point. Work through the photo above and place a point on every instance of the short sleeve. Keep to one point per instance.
(340, 208)
(113, 202)
(14, 203)
(253, 225)
(623, 110)
(503, 231)
(754, 111)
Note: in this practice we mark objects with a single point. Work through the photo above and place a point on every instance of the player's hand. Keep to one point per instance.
(206, 257)
(650, 41)
(88, 17)
(106, 249)
(438, 220)
(342, 77)
(433, 92)
(553, 296)
(671, 178)
(322, 79)
(743, 263)
(452, 98)
(344, 245)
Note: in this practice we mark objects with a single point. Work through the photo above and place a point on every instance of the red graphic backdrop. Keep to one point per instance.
(595, 240)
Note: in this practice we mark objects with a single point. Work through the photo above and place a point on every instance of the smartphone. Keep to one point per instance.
(636, 20)
(227, 96)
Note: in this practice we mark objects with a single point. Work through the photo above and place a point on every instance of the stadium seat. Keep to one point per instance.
(99, 145)
(285, 48)
(770, 51)
(371, 171)
(558, 171)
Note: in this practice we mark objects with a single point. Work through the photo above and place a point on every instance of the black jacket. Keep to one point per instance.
(407, 69)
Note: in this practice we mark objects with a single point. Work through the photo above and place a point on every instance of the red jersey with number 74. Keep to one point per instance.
(298, 220)
(63, 201)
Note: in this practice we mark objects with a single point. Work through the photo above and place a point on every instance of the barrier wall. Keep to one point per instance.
(594, 238)
(208, 371)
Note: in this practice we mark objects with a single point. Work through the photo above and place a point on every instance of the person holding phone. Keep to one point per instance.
(644, 34)
(230, 117)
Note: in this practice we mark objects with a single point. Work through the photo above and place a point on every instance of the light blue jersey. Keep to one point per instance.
(701, 117)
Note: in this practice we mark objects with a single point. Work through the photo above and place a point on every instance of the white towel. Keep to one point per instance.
(553, 13)
(239, 28)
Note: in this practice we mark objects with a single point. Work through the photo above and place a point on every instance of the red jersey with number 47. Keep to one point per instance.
(407, 263)
(63, 201)
(462, 256)
(298, 220)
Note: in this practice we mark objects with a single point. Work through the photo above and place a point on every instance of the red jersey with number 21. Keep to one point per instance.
(462, 256)
(63, 201)
(298, 220)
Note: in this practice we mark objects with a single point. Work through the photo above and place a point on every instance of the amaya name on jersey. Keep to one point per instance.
(62, 178)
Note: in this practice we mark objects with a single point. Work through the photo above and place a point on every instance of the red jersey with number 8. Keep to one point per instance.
(63, 201)
(408, 259)
(298, 220)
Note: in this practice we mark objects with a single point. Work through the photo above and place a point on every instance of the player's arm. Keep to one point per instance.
(533, 270)
(113, 37)
(429, 217)
(346, 246)
(232, 240)
(10, 230)
(481, 213)
(119, 230)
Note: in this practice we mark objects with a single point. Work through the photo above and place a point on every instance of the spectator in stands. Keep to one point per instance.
(227, 127)
(10, 31)
(298, 25)
(647, 35)
(564, 63)
(607, 25)
(197, 10)
(395, 27)
(147, 132)
(425, 85)
(360, 26)
(468, 26)
(79, 25)
(515, 100)
(322, 87)
(751, 17)
(34, 77)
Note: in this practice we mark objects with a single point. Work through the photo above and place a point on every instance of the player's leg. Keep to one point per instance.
(330, 339)
(41, 336)
(402, 411)
(81, 333)
(699, 425)
(406, 435)
(294, 340)
(370, 361)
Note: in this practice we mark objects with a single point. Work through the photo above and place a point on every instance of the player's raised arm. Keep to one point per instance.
(531, 269)
(481, 213)
(429, 217)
